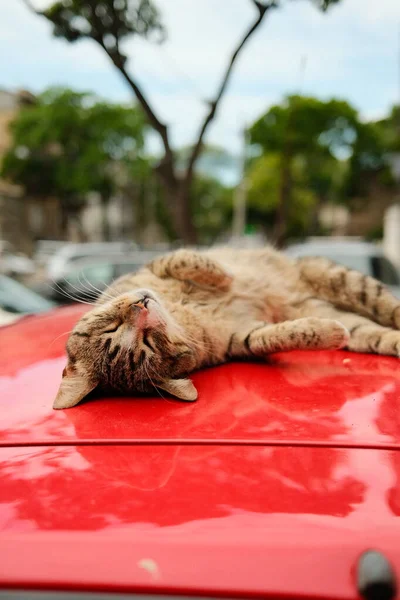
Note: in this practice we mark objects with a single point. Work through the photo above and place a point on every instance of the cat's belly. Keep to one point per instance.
(241, 308)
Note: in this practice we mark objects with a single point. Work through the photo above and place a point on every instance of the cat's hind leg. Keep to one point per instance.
(188, 265)
(308, 333)
(350, 290)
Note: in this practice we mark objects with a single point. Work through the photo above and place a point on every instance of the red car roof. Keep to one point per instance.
(272, 483)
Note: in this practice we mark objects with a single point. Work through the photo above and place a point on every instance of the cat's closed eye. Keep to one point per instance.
(147, 342)
(112, 328)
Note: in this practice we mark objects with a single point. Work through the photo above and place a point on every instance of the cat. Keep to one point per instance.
(189, 309)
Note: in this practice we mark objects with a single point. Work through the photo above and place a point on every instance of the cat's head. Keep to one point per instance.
(130, 343)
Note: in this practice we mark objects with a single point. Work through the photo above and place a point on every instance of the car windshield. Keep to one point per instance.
(126, 268)
(100, 274)
(17, 298)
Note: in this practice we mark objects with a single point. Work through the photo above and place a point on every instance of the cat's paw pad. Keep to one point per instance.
(329, 333)
(337, 336)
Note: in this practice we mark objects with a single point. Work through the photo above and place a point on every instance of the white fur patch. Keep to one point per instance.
(127, 338)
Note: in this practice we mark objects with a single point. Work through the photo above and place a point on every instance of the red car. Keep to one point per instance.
(275, 483)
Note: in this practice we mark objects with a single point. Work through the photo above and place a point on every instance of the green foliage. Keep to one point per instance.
(340, 156)
(306, 125)
(264, 185)
(389, 130)
(69, 144)
(306, 139)
(368, 164)
(211, 207)
(108, 22)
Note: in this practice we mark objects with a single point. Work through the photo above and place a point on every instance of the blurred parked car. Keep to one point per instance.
(63, 258)
(87, 278)
(6, 317)
(16, 299)
(12, 263)
(362, 256)
(45, 249)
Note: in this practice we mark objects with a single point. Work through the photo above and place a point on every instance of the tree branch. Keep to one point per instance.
(162, 130)
(262, 9)
(29, 5)
(166, 167)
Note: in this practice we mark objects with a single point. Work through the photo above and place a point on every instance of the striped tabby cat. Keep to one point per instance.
(193, 309)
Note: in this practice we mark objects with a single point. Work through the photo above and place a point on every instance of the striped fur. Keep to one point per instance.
(206, 308)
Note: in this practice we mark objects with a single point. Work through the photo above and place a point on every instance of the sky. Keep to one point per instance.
(351, 52)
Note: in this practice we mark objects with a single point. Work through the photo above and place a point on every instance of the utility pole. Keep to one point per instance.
(240, 195)
(302, 72)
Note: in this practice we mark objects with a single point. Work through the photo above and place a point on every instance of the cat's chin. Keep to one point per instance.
(142, 319)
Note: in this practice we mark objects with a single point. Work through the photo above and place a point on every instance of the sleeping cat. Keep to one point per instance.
(192, 309)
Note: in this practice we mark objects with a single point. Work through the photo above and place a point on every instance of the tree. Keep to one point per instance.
(69, 144)
(388, 129)
(263, 195)
(109, 23)
(369, 163)
(309, 130)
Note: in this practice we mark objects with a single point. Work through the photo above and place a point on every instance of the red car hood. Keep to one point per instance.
(273, 483)
(313, 398)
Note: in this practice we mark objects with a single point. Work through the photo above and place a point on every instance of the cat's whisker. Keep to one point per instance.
(64, 293)
(59, 336)
(93, 289)
(151, 381)
(74, 286)
(79, 290)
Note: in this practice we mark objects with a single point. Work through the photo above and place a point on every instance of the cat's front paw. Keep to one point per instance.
(334, 334)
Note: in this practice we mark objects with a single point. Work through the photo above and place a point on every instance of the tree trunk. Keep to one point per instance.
(313, 225)
(183, 219)
(64, 218)
(280, 228)
(177, 197)
(105, 223)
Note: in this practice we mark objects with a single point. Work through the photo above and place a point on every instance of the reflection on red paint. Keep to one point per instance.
(89, 487)
(178, 502)
(227, 495)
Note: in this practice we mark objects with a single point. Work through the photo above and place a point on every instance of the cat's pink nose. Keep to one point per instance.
(139, 304)
(142, 304)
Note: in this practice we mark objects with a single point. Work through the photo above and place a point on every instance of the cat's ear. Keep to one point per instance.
(181, 388)
(73, 388)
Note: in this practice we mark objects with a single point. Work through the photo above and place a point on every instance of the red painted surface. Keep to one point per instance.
(240, 520)
(302, 397)
(272, 484)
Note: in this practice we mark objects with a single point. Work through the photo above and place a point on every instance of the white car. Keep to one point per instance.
(63, 258)
(88, 277)
(362, 256)
(12, 263)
